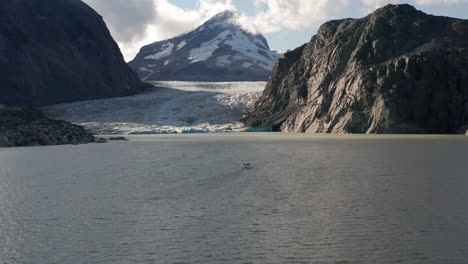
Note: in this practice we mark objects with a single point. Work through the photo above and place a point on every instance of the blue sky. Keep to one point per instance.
(286, 24)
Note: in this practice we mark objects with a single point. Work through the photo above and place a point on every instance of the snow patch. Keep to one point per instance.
(166, 63)
(181, 45)
(238, 41)
(260, 45)
(166, 51)
(246, 65)
(207, 48)
(223, 61)
(242, 44)
(224, 19)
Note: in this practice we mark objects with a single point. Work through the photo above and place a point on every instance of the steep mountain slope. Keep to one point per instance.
(397, 70)
(59, 51)
(218, 50)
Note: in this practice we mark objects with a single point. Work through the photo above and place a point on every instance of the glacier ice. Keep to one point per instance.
(169, 107)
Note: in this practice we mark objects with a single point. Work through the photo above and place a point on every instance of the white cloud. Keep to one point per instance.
(135, 23)
(127, 19)
(373, 4)
(275, 15)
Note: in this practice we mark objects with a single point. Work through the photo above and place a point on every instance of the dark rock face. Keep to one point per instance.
(218, 50)
(397, 70)
(24, 126)
(59, 51)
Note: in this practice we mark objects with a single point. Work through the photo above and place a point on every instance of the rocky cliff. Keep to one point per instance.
(398, 70)
(25, 126)
(218, 50)
(58, 51)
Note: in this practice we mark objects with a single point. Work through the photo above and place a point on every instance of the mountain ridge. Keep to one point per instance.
(397, 70)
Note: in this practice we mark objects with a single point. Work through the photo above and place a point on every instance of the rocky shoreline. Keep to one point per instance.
(27, 126)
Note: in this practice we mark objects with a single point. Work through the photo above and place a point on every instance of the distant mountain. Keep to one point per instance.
(398, 70)
(57, 51)
(218, 50)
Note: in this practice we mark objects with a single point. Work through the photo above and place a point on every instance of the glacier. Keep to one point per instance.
(168, 107)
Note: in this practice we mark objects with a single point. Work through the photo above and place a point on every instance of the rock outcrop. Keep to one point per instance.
(25, 126)
(59, 51)
(218, 50)
(397, 70)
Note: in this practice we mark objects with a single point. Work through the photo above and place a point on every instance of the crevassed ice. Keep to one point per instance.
(166, 51)
(173, 107)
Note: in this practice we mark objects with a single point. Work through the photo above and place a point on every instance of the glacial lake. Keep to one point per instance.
(190, 199)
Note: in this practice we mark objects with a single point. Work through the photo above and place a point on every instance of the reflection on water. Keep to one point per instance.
(188, 199)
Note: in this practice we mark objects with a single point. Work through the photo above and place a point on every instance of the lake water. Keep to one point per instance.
(187, 199)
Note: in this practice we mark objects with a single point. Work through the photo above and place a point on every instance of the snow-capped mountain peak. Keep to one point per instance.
(218, 50)
(225, 18)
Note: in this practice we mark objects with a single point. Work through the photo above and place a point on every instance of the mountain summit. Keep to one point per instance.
(398, 70)
(218, 50)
